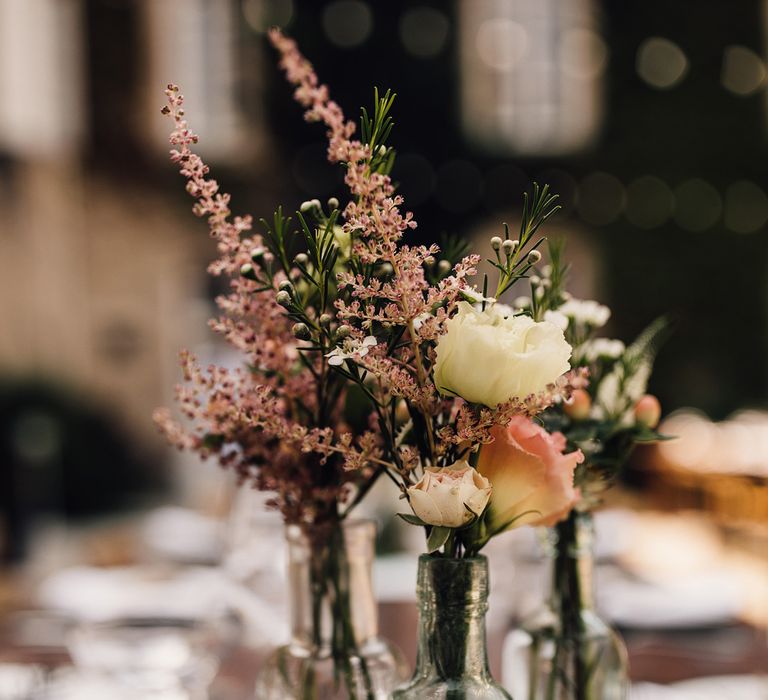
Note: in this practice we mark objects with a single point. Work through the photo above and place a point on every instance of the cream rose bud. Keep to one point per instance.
(488, 358)
(448, 496)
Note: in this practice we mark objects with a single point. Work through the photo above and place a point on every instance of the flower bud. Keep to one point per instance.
(521, 302)
(534, 256)
(343, 331)
(450, 496)
(387, 268)
(285, 286)
(316, 204)
(305, 207)
(301, 259)
(508, 246)
(648, 411)
(578, 406)
(301, 331)
(325, 319)
(444, 267)
(248, 272)
(496, 243)
(333, 203)
(283, 298)
(382, 150)
(257, 254)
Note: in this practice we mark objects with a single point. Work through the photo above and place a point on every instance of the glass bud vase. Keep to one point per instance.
(565, 651)
(335, 652)
(452, 661)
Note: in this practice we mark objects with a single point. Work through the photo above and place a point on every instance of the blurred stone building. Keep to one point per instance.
(100, 259)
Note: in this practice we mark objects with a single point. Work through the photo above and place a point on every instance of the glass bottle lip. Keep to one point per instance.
(352, 527)
(445, 582)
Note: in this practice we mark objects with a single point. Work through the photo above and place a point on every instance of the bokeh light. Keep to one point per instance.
(501, 44)
(424, 31)
(746, 207)
(743, 71)
(661, 63)
(347, 23)
(650, 202)
(583, 54)
(601, 198)
(263, 14)
(698, 205)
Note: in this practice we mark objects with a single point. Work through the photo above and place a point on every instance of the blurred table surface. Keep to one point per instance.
(655, 656)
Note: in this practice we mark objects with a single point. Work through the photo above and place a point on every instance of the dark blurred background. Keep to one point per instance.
(648, 118)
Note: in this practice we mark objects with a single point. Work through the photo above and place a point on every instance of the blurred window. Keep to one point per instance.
(194, 43)
(41, 81)
(531, 74)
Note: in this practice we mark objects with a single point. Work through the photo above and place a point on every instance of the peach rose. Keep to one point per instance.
(531, 477)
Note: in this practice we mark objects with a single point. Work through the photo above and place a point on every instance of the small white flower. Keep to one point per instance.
(586, 312)
(338, 356)
(601, 348)
(559, 319)
(521, 302)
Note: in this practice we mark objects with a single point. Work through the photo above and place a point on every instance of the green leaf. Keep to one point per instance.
(437, 538)
(213, 441)
(412, 519)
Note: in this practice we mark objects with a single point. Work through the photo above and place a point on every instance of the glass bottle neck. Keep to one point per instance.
(453, 600)
(331, 587)
(570, 547)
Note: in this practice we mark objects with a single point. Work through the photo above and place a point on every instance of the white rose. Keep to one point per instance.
(486, 358)
(586, 312)
(444, 495)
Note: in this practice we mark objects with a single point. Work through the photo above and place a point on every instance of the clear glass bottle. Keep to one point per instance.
(452, 660)
(565, 651)
(335, 652)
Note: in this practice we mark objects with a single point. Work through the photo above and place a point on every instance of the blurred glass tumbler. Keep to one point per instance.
(335, 652)
(154, 656)
(452, 658)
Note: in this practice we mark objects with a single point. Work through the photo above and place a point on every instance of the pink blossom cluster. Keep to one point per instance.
(260, 420)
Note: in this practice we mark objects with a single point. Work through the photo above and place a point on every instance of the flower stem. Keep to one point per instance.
(570, 644)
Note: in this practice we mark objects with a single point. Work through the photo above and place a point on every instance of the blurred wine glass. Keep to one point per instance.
(172, 658)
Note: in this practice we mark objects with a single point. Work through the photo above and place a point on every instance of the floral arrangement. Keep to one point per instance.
(367, 356)
(339, 308)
